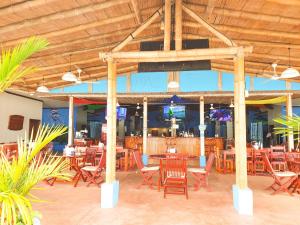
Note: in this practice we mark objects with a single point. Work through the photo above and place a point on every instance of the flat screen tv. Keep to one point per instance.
(177, 111)
(221, 115)
(121, 113)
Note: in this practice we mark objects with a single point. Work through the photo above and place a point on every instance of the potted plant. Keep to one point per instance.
(19, 177)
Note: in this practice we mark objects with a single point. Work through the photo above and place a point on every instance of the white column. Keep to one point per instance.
(202, 128)
(242, 195)
(110, 189)
(71, 121)
(145, 130)
(289, 113)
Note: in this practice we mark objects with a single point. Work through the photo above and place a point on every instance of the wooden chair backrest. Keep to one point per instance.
(277, 148)
(210, 162)
(90, 155)
(176, 168)
(138, 160)
(267, 163)
(102, 161)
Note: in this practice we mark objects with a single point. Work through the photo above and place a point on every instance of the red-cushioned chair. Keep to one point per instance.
(147, 172)
(282, 180)
(175, 177)
(201, 174)
(93, 174)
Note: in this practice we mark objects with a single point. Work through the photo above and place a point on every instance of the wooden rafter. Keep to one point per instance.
(136, 10)
(208, 26)
(137, 31)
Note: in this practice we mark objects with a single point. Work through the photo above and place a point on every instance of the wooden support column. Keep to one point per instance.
(111, 123)
(289, 113)
(178, 24)
(220, 81)
(202, 128)
(128, 83)
(240, 121)
(145, 125)
(167, 34)
(71, 121)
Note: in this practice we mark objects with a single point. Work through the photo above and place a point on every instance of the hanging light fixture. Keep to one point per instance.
(173, 83)
(211, 106)
(136, 113)
(69, 76)
(138, 106)
(290, 72)
(42, 88)
(118, 105)
(246, 93)
(231, 104)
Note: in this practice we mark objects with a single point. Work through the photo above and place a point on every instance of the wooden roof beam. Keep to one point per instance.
(138, 30)
(175, 56)
(248, 42)
(136, 10)
(249, 31)
(208, 26)
(209, 8)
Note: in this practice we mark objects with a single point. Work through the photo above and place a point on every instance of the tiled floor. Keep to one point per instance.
(81, 205)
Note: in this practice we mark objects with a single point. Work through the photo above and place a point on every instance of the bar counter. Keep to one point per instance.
(187, 145)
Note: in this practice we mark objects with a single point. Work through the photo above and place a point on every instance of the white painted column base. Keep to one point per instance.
(242, 200)
(110, 194)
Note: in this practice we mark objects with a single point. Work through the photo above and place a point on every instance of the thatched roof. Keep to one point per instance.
(82, 28)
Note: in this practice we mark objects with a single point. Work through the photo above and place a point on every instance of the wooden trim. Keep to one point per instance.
(208, 26)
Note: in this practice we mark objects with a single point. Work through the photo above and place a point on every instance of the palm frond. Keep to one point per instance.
(11, 60)
(18, 177)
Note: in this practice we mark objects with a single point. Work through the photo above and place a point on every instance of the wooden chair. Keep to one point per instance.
(10, 150)
(258, 163)
(90, 158)
(146, 172)
(201, 174)
(229, 161)
(277, 158)
(176, 177)
(250, 163)
(93, 174)
(219, 160)
(282, 180)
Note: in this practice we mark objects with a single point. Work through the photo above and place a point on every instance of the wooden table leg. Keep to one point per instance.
(126, 159)
(224, 163)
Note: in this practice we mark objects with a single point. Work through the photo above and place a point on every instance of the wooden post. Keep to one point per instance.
(71, 121)
(145, 125)
(167, 34)
(240, 121)
(289, 113)
(220, 81)
(128, 83)
(111, 123)
(178, 24)
(202, 128)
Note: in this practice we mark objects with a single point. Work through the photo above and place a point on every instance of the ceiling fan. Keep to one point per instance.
(78, 80)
